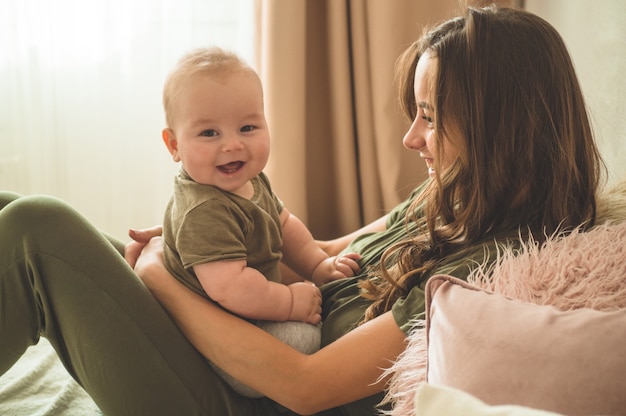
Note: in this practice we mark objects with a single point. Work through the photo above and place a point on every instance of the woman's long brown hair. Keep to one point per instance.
(507, 98)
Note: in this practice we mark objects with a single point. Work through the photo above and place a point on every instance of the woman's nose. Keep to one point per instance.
(413, 138)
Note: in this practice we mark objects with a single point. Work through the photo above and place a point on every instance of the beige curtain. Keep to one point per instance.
(337, 159)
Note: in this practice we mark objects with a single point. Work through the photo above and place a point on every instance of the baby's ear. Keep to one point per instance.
(169, 138)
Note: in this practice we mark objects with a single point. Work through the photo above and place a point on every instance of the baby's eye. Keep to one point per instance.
(209, 133)
(247, 128)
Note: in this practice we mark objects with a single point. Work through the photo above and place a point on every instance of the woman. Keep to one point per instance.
(498, 117)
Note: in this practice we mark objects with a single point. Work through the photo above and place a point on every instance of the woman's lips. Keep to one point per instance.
(429, 165)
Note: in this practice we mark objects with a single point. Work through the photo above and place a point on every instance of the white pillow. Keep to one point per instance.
(441, 400)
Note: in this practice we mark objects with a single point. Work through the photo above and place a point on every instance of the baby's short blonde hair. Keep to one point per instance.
(212, 61)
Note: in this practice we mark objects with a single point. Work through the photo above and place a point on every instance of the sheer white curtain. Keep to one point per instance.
(80, 89)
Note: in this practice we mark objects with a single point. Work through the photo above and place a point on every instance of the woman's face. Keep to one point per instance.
(421, 134)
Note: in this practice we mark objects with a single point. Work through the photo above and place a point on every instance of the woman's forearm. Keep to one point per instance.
(334, 247)
(339, 373)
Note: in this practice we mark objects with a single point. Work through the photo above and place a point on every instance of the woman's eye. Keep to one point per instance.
(424, 112)
(247, 128)
(209, 133)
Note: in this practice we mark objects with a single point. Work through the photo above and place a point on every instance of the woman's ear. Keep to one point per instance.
(169, 138)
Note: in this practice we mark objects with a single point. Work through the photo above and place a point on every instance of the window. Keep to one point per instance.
(81, 82)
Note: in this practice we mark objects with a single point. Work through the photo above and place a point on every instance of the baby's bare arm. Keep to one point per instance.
(300, 250)
(247, 293)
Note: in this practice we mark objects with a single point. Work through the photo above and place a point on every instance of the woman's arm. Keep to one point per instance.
(340, 373)
(334, 247)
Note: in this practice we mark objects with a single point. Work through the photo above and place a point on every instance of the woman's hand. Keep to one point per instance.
(145, 255)
(140, 238)
(149, 263)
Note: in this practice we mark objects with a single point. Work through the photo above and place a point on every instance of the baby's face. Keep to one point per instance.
(220, 133)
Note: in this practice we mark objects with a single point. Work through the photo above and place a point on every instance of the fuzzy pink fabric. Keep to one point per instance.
(583, 269)
(507, 352)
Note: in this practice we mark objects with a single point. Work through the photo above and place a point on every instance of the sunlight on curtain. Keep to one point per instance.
(80, 88)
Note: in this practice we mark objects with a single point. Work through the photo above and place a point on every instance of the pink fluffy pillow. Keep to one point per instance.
(505, 351)
(581, 270)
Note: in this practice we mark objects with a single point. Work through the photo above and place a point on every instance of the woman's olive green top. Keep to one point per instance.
(343, 307)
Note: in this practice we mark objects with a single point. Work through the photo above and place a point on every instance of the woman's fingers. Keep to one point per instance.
(145, 234)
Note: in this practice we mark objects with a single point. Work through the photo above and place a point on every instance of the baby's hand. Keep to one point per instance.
(334, 268)
(306, 303)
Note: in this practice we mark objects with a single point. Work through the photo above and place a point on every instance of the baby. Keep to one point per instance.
(225, 232)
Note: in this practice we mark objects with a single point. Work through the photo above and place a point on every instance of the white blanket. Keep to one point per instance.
(39, 385)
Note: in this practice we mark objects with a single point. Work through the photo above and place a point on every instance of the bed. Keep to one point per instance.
(39, 385)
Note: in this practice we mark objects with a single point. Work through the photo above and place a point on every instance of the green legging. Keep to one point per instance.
(63, 279)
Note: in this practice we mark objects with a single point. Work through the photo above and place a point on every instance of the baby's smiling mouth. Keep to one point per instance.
(231, 167)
